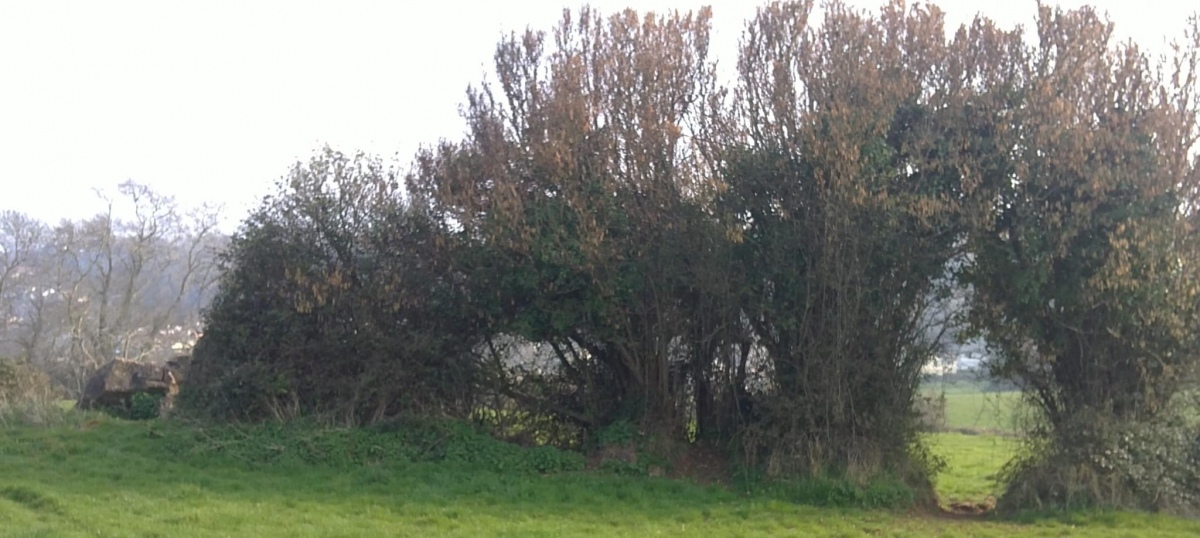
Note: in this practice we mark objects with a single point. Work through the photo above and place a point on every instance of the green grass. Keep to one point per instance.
(974, 461)
(118, 478)
(972, 465)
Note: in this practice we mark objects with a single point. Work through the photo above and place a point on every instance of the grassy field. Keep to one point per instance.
(106, 477)
(985, 411)
(970, 405)
(972, 464)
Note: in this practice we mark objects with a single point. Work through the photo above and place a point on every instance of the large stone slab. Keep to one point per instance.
(114, 384)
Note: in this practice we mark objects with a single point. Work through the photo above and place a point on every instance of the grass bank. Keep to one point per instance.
(106, 477)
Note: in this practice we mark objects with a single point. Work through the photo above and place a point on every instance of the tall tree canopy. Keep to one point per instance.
(620, 242)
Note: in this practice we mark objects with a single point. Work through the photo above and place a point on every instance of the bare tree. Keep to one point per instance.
(83, 293)
(20, 238)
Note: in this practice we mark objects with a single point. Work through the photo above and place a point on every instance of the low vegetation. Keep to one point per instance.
(93, 475)
(27, 395)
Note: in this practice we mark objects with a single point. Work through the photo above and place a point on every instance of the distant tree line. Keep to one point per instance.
(77, 294)
(620, 239)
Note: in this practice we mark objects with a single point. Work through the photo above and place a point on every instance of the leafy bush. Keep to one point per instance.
(1152, 465)
(144, 406)
(334, 302)
(620, 433)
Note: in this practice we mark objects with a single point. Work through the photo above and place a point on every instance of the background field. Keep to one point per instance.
(991, 411)
(976, 405)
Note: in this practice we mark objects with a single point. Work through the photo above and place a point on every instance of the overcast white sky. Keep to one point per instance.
(212, 101)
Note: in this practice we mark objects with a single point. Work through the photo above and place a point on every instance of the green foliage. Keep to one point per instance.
(842, 199)
(144, 406)
(334, 302)
(620, 433)
(458, 444)
(582, 233)
(1084, 256)
(621, 467)
(1153, 465)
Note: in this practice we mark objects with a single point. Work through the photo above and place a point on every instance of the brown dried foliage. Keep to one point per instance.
(579, 169)
(776, 261)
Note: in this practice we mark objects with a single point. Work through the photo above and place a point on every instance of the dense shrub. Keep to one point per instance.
(144, 406)
(1154, 465)
(333, 302)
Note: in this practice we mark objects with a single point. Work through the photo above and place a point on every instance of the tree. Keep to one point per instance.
(82, 293)
(20, 239)
(843, 197)
(332, 302)
(1084, 252)
(575, 190)
(619, 242)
